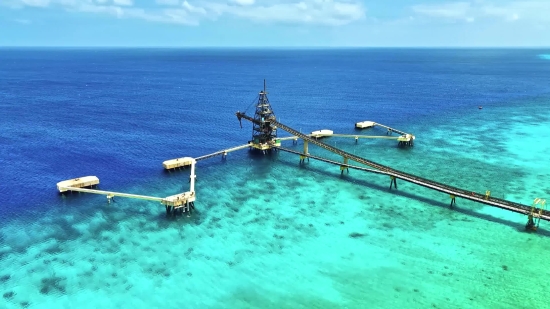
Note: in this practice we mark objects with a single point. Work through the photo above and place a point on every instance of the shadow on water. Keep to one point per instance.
(258, 154)
(417, 197)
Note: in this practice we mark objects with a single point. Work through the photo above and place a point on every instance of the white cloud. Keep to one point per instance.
(168, 2)
(123, 2)
(169, 15)
(191, 12)
(194, 9)
(37, 3)
(322, 12)
(243, 2)
(530, 10)
(456, 10)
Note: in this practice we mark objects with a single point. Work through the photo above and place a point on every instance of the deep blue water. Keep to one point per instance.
(118, 113)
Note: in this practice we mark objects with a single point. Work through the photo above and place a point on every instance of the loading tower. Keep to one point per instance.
(264, 133)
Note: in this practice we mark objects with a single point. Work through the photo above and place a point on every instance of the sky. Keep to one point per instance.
(275, 23)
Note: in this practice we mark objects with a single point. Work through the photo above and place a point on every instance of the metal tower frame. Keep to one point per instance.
(263, 131)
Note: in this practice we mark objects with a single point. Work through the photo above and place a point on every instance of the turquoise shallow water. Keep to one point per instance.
(269, 233)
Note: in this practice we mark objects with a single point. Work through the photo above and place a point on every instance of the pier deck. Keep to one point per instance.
(364, 136)
(376, 124)
(356, 136)
(86, 181)
(364, 124)
(179, 162)
(187, 161)
(222, 152)
(370, 170)
(178, 203)
(112, 194)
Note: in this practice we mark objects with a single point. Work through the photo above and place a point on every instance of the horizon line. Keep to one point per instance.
(260, 47)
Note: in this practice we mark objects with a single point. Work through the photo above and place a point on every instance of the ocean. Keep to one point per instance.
(267, 231)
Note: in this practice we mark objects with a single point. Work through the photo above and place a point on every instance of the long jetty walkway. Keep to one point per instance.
(356, 136)
(111, 194)
(370, 170)
(363, 136)
(175, 204)
(221, 152)
(182, 202)
(187, 161)
(396, 174)
(389, 128)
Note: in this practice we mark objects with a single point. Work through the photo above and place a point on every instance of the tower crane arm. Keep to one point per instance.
(243, 115)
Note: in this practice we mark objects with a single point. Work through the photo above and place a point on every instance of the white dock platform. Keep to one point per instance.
(321, 133)
(406, 138)
(365, 124)
(82, 182)
(187, 161)
(179, 162)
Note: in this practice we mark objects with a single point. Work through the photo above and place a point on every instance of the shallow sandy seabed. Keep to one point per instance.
(268, 233)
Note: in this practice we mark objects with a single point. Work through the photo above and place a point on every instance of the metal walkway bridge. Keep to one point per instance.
(396, 174)
(370, 170)
(221, 152)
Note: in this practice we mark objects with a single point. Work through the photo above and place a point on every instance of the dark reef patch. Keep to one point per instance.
(53, 284)
(357, 235)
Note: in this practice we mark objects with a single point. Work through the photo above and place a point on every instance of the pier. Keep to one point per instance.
(264, 138)
(187, 161)
(375, 124)
(86, 181)
(175, 204)
(533, 212)
(320, 134)
(403, 139)
(343, 166)
(173, 200)
(222, 152)
(364, 124)
(183, 202)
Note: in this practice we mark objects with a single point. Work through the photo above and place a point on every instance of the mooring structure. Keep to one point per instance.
(181, 203)
(264, 138)
(536, 212)
(263, 132)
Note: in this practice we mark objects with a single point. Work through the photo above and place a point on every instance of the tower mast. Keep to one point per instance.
(263, 132)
